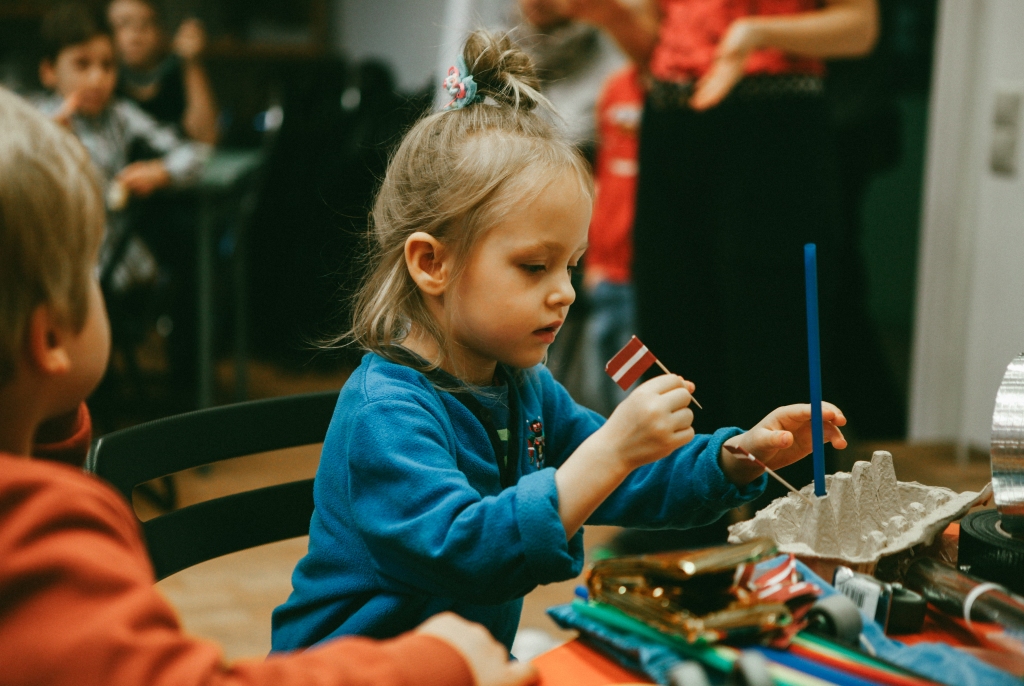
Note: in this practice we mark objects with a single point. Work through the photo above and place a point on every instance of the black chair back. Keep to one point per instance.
(193, 534)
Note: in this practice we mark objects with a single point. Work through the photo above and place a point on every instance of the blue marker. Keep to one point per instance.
(814, 360)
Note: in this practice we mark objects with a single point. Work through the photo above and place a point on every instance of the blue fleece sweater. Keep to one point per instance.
(410, 517)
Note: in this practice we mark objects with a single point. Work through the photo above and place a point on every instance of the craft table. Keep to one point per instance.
(576, 664)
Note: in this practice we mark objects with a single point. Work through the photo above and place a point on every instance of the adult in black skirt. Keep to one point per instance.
(737, 173)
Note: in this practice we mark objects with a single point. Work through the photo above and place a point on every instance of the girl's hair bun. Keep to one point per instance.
(502, 70)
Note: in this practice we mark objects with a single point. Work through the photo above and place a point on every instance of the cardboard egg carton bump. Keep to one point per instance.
(866, 515)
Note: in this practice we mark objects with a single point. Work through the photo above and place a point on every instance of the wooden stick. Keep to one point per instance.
(782, 481)
(736, 450)
(665, 369)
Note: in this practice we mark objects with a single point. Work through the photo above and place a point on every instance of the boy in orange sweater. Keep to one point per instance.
(77, 602)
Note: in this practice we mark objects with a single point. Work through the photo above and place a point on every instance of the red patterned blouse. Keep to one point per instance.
(691, 29)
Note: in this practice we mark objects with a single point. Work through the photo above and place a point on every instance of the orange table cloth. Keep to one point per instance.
(577, 665)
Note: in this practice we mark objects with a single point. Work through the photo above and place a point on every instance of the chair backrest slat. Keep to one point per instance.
(149, 451)
(216, 527)
(200, 532)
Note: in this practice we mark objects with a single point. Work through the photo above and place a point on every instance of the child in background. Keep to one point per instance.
(171, 85)
(79, 606)
(456, 473)
(78, 66)
(606, 274)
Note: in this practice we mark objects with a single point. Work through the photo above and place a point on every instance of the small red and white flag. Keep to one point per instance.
(629, 363)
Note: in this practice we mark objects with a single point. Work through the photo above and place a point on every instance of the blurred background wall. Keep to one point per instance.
(970, 315)
(349, 76)
(406, 35)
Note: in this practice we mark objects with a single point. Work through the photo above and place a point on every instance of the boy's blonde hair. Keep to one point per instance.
(51, 223)
(454, 175)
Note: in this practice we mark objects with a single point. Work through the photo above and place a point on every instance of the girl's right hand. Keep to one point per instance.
(487, 659)
(651, 422)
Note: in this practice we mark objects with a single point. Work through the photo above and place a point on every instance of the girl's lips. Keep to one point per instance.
(547, 334)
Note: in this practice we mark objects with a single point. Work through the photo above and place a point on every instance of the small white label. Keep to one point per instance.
(863, 593)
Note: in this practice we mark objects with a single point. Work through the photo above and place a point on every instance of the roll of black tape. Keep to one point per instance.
(907, 613)
(988, 552)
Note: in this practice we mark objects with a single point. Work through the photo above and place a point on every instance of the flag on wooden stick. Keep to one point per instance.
(629, 363)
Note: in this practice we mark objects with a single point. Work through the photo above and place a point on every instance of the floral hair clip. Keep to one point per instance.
(460, 85)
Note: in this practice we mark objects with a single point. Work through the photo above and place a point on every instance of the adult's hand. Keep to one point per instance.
(728, 68)
(543, 13)
(633, 24)
(597, 12)
(841, 28)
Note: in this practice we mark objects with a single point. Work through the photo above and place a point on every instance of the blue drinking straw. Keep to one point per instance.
(814, 360)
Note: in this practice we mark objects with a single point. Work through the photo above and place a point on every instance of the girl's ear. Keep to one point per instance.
(47, 351)
(426, 261)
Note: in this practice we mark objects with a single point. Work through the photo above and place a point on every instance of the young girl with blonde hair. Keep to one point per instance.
(457, 473)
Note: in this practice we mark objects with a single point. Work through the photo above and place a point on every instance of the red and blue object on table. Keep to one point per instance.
(630, 363)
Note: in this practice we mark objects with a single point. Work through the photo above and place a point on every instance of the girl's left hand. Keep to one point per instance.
(727, 70)
(780, 439)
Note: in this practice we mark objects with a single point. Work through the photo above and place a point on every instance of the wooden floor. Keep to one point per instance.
(229, 600)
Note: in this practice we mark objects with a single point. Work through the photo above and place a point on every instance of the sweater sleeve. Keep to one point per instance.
(686, 488)
(184, 159)
(79, 608)
(429, 530)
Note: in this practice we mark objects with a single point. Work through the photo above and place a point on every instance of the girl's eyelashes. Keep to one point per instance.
(538, 268)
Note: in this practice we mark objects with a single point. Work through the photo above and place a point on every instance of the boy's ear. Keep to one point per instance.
(47, 74)
(427, 264)
(46, 342)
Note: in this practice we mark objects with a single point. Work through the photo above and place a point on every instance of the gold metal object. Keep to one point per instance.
(690, 593)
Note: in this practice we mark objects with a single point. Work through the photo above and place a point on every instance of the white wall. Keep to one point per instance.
(415, 37)
(404, 33)
(970, 300)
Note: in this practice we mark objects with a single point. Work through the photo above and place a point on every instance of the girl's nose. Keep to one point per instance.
(564, 294)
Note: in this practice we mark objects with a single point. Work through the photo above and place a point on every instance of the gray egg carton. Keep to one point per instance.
(866, 515)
